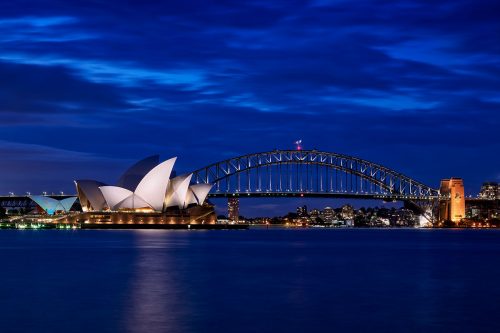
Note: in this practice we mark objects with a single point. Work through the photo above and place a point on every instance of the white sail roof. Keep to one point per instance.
(177, 191)
(153, 187)
(90, 196)
(51, 206)
(67, 203)
(114, 195)
(198, 193)
(131, 178)
(132, 202)
(190, 198)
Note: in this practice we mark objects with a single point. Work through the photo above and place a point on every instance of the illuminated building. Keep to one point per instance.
(146, 194)
(233, 209)
(302, 211)
(452, 204)
(347, 212)
(315, 213)
(490, 191)
(142, 189)
(328, 214)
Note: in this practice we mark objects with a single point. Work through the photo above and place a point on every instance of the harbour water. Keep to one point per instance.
(257, 280)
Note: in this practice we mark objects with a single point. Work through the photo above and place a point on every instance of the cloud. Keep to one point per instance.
(37, 95)
(39, 22)
(37, 168)
(14, 151)
(401, 83)
(122, 74)
(50, 29)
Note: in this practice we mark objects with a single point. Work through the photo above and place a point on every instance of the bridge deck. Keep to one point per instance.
(386, 197)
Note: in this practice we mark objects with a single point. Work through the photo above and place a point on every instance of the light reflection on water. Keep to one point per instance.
(154, 303)
(249, 281)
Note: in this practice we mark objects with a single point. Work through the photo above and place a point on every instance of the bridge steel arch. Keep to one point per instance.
(309, 173)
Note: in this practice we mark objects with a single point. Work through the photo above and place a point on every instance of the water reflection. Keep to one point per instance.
(259, 280)
(155, 301)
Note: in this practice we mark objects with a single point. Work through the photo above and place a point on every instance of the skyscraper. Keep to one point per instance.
(328, 214)
(233, 209)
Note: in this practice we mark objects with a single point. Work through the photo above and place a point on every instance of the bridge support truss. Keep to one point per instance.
(311, 173)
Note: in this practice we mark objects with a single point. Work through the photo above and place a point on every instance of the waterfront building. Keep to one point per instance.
(146, 193)
(328, 214)
(482, 209)
(490, 191)
(314, 213)
(223, 221)
(233, 209)
(406, 217)
(315, 217)
(347, 212)
(302, 211)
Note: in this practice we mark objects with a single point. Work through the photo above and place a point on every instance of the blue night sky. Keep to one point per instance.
(89, 87)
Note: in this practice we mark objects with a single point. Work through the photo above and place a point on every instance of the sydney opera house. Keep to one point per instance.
(148, 193)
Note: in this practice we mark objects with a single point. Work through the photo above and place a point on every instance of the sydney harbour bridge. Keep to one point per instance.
(309, 173)
(312, 173)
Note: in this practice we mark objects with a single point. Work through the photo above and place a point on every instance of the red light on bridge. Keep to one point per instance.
(298, 143)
